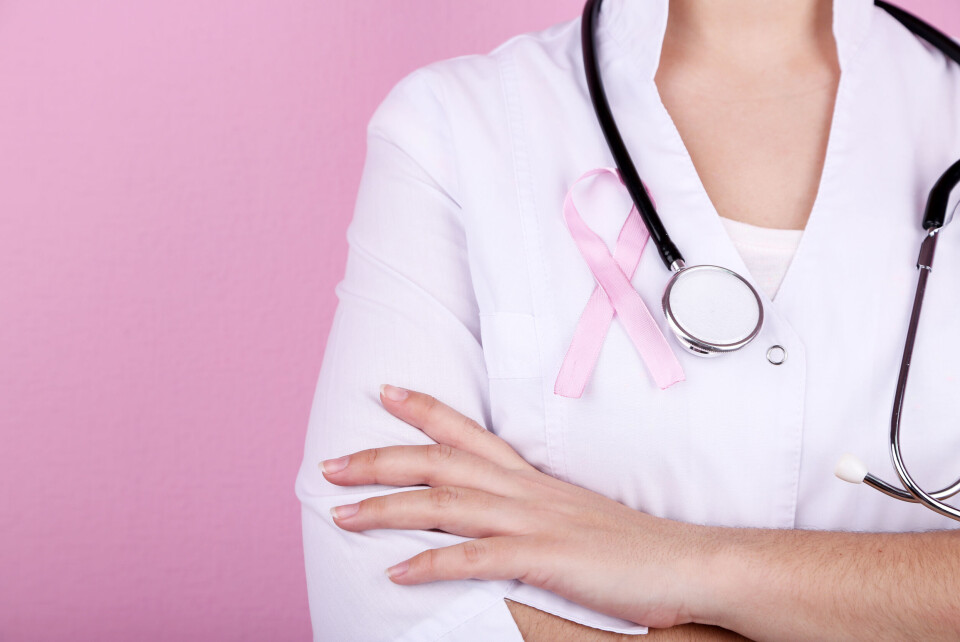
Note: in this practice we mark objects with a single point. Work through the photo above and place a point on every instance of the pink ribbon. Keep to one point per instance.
(614, 293)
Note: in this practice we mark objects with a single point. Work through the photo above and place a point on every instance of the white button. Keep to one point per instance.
(776, 355)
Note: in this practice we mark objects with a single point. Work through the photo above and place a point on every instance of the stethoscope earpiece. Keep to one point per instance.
(851, 469)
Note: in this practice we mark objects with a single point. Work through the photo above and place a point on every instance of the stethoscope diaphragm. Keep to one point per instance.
(712, 310)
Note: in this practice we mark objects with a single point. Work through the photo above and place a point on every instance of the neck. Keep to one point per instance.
(751, 33)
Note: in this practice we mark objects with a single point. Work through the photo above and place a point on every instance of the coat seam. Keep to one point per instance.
(529, 223)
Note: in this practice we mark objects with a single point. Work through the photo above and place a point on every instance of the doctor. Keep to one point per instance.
(792, 141)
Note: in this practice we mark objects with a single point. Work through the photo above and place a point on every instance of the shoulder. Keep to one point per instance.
(915, 82)
(465, 87)
(460, 114)
(908, 59)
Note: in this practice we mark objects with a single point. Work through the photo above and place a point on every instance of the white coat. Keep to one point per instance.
(464, 282)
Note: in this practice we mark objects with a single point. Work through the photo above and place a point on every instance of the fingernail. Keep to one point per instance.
(345, 511)
(334, 465)
(393, 393)
(398, 570)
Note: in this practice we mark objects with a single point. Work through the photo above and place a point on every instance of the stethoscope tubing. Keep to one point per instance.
(669, 252)
(934, 219)
(914, 492)
(934, 216)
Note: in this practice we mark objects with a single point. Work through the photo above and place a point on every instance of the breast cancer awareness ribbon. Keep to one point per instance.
(614, 293)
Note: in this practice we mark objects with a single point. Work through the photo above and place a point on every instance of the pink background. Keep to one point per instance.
(176, 178)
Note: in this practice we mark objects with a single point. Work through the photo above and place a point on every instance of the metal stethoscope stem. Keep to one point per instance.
(701, 284)
(851, 469)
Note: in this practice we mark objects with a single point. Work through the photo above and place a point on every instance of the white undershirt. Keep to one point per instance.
(766, 251)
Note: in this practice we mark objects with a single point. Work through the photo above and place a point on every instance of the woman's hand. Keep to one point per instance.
(528, 526)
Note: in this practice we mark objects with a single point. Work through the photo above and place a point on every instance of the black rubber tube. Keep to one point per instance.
(936, 213)
(937, 204)
(668, 251)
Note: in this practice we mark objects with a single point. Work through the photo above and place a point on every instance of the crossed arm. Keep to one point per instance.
(526, 525)
(537, 626)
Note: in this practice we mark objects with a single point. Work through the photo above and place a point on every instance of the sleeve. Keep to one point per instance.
(406, 315)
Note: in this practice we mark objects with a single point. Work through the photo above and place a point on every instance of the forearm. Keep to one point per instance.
(820, 585)
(538, 626)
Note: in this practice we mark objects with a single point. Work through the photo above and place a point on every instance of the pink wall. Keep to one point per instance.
(176, 178)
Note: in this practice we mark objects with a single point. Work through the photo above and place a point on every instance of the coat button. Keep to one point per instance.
(776, 355)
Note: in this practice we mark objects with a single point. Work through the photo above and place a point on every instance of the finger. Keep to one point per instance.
(460, 511)
(433, 465)
(489, 558)
(445, 425)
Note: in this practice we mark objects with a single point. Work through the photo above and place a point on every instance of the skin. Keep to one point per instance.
(537, 625)
(721, 78)
(525, 525)
(744, 80)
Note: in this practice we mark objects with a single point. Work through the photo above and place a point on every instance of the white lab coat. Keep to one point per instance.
(462, 281)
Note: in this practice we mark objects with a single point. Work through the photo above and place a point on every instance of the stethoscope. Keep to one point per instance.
(713, 310)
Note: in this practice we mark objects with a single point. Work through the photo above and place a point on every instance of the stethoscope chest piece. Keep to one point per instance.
(712, 310)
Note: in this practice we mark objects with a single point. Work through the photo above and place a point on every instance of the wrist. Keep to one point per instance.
(716, 574)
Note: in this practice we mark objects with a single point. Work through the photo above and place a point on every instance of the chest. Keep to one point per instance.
(758, 149)
(742, 441)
